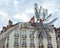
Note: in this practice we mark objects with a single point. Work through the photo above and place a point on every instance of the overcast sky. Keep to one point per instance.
(23, 10)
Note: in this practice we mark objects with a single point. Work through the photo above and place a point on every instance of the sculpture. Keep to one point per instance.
(42, 16)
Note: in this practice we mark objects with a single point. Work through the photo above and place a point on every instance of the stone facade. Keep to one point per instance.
(20, 38)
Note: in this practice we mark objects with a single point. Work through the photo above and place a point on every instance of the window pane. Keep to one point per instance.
(31, 42)
(16, 41)
(16, 33)
(31, 32)
(24, 32)
(49, 41)
(24, 42)
(41, 42)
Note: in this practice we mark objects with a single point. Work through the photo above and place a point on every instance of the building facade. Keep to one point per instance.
(58, 37)
(21, 38)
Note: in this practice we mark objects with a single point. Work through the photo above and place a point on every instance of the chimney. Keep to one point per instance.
(32, 20)
(4, 29)
(7, 27)
(52, 25)
(10, 23)
(41, 21)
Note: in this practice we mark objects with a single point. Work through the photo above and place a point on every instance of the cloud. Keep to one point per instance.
(50, 6)
(4, 16)
(24, 9)
(4, 1)
(3, 19)
(29, 10)
(16, 4)
(22, 16)
(25, 16)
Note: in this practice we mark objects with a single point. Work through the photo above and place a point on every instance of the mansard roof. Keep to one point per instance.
(24, 25)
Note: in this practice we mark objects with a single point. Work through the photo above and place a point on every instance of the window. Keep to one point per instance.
(58, 32)
(16, 41)
(48, 34)
(24, 33)
(49, 41)
(31, 34)
(24, 43)
(40, 35)
(32, 42)
(41, 42)
(16, 33)
(7, 42)
(58, 38)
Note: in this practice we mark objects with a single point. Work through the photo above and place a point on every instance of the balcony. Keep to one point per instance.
(16, 35)
(24, 36)
(32, 45)
(41, 46)
(40, 37)
(16, 44)
(50, 46)
(24, 45)
(31, 36)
